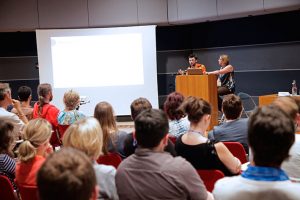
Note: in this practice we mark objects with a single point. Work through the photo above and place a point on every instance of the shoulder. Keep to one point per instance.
(225, 187)
(104, 169)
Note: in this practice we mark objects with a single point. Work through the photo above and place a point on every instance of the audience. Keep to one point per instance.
(290, 105)
(113, 139)
(7, 162)
(43, 109)
(196, 148)
(270, 135)
(178, 122)
(5, 101)
(33, 150)
(151, 173)
(67, 174)
(130, 144)
(235, 128)
(70, 114)
(86, 135)
(24, 94)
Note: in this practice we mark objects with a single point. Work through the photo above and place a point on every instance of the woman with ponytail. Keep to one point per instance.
(43, 109)
(33, 150)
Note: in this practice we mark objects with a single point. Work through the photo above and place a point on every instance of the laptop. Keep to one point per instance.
(194, 71)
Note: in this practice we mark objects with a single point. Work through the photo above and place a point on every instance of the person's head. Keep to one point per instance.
(71, 99)
(193, 59)
(5, 94)
(151, 127)
(105, 115)
(288, 105)
(6, 137)
(67, 174)
(224, 60)
(24, 93)
(270, 136)
(85, 135)
(197, 109)
(44, 91)
(171, 105)
(37, 134)
(232, 106)
(297, 101)
(139, 105)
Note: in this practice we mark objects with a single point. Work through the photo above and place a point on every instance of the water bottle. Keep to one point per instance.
(294, 88)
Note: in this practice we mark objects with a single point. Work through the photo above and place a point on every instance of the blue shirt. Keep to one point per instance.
(265, 174)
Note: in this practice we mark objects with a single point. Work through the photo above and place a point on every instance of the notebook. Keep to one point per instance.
(194, 71)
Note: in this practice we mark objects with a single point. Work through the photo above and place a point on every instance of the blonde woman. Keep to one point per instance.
(86, 135)
(113, 139)
(69, 115)
(33, 150)
(194, 145)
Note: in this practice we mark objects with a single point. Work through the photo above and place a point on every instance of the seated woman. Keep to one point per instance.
(113, 139)
(226, 83)
(7, 162)
(69, 115)
(178, 122)
(33, 151)
(86, 135)
(196, 148)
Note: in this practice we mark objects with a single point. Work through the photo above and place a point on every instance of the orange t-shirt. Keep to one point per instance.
(202, 67)
(26, 172)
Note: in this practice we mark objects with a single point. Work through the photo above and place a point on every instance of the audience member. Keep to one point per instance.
(70, 114)
(194, 145)
(86, 135)
(270, 134)
(113, 139)
(33, 150)
(290, 105)
(151, 173)
(67, 174)
(7, 162)
(24, 94)
(5, 101)
(136, 107)
(178, 122)
(43, 109)
(226, 82)
(235, 128)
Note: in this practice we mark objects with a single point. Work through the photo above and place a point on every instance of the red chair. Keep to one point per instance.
(113, 159)
(210, 177)
(28, 192)
(237, 150)
(173, 139)
(6, 189)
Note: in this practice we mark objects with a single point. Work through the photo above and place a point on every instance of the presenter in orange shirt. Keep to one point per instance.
(193, 61)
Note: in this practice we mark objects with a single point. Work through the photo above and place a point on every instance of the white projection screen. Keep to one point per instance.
(116, 65)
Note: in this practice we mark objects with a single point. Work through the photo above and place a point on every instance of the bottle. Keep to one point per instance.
(294, 88)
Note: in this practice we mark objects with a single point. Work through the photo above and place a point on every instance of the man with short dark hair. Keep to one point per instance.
(193, 61)
(67, 174)
(24, 94)
(151, 173)
(270, 134)
(235, 128)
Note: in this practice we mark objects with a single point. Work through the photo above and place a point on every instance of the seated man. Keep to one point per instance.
(235, 128)
(151, 173)
(67, 174)
(24, 94)
(193, 61)
(270, 134)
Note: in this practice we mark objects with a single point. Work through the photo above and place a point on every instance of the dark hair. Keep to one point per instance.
(66, 174)
(271, 133)
(151, 126)
(193, 56)
(195, 108)
(6, 137)
(232, 106)
(43, 90)
(4, 87)
(24, 93)
(139, 105)
(171, 105)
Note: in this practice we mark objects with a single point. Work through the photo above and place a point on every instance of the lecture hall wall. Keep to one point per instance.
(262, 37)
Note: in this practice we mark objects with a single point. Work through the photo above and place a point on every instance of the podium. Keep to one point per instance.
(204, 86)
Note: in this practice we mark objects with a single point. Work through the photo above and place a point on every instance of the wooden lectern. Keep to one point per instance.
(204, 86)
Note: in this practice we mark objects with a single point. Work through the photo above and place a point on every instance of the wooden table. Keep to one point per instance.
(266, 99)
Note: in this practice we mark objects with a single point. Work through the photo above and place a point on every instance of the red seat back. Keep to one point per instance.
(237, 150)
(209, 177)
(6, 189)
(113, 159)
(28, 192)
(173, 139)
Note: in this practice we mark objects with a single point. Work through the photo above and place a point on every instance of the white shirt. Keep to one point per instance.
(11, 117)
